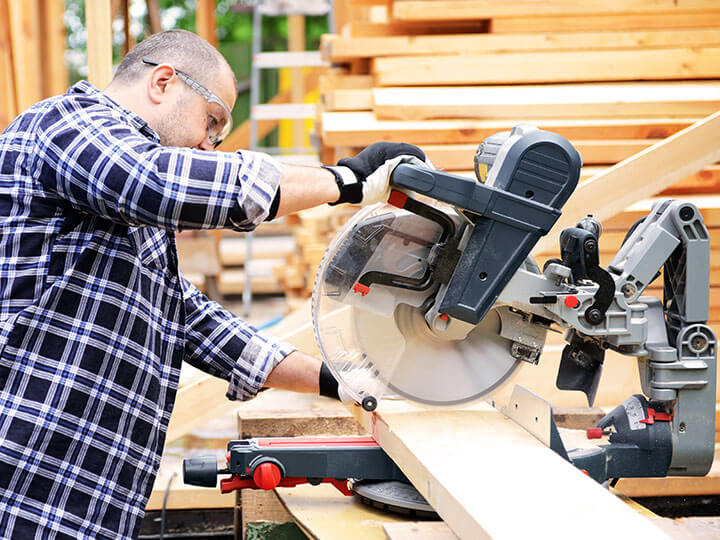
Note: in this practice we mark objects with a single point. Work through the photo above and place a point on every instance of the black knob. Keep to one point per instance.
(369, 403)
(200, 471)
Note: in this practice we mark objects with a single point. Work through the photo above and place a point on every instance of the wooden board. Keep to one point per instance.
(25, 31)
(55, 71)
(8, 107)
(612, 22)
(682, 99)
(659, 166)
(338, 48)
(470, 463)
(99, 44)
(434, 10)
(362, 129)
(540, 67)
(423, 530)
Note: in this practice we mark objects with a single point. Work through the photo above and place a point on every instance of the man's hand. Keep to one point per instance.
(365, 178)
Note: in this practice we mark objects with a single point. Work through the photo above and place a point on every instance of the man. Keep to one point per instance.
(95, 317)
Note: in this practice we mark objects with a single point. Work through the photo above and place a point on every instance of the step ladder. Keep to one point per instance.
(280, 111)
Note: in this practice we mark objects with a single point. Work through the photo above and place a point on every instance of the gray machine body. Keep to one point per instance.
(674, 346)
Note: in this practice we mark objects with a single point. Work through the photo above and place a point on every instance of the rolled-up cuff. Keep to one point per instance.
(260, 176)
(263, 353)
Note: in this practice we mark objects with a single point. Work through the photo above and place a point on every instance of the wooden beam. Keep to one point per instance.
(205, 21)
(448, 10)
(542, 67)
(666, 99)
(296, 43)
(55, 74)
(153, 11)
(99, 42)
(338, 48)
(641, 176)
(127, 22)
(447, 454)
(362, 129)
(25, 33)
(8, 105)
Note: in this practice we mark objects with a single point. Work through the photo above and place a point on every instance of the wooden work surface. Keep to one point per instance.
(324, 513)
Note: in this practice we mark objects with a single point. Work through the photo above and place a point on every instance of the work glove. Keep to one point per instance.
(365, 178)
(360, 378)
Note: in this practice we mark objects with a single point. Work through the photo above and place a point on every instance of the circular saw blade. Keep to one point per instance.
(380, 340)
(428, 369)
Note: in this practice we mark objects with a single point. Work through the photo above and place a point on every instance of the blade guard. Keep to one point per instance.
(533, 176)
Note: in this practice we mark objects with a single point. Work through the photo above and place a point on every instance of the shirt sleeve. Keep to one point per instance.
(225, 346)
(101, 164)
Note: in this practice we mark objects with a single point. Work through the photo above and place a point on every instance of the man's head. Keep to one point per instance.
(178, 83)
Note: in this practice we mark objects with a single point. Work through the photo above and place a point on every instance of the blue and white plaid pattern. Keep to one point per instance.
(95, 318)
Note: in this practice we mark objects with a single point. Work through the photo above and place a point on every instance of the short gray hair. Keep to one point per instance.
(181, 49)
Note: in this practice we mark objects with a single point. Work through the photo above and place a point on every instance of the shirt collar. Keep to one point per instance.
(84, 87)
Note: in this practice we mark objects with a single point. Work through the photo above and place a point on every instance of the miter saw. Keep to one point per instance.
(435, 298)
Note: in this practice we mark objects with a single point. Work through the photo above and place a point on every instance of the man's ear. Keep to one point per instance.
(161, 78)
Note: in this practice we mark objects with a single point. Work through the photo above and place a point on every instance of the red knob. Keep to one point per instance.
(267, 476)
(572, 301)
(594, 433)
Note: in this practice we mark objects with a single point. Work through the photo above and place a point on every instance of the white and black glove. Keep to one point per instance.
(361, 378)
(365, 178)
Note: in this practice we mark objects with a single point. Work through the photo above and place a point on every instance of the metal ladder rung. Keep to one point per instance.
(287, 59)
(282, 111)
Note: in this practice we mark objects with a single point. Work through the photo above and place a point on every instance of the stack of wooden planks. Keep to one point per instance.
(614, 77)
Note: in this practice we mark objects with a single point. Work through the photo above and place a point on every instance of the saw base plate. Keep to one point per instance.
(394, 496)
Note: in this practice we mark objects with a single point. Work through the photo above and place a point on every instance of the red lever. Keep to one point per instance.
(363, 289)
(397, 198)
(267, 475)
(658, 416)
(594, 433)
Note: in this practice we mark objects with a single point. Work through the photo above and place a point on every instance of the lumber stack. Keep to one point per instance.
(217, 263)
(445, 74)
(614, 77)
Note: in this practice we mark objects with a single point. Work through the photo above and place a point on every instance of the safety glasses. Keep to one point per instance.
(219, 119)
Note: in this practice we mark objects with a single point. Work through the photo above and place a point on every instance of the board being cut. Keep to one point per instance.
(489, 478)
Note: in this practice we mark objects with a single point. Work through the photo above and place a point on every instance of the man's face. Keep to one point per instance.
(185, 122)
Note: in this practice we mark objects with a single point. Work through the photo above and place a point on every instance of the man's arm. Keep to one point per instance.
(304, 187)
(299, 372)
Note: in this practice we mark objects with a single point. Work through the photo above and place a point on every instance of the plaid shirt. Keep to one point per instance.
(95, 318)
